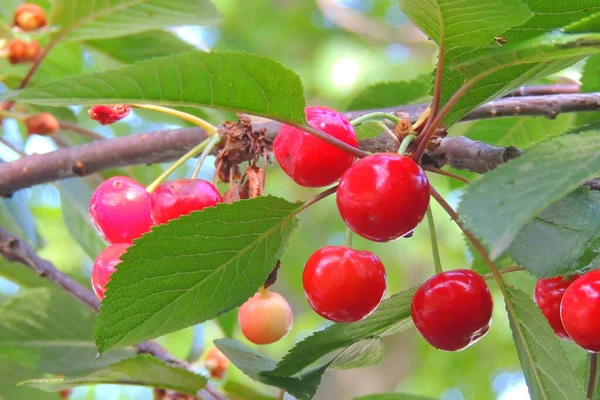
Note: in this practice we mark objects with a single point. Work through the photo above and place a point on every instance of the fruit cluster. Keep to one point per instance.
(572, 307)
(27, 17)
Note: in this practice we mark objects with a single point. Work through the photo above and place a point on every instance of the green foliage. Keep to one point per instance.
(467, 23)
(141, 370)
(563, 239)
(84, 20)
(49, 331)
(361, 354)
(590, 82)
(499, 204)
(389, 317)
(231, 81)
(193, 269)
(238, 391)
(392, 94)
(547, 371)
(16, 217)
(254, 365)
(393, 396)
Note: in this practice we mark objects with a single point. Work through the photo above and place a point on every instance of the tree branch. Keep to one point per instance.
(15, 250)
(167, 145)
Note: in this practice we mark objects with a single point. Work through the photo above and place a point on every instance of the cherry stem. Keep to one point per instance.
(435, 250)
(449, 174)
(11, 147)
(314, 199)
(405, 143)
(437, 88)
(281, 395)
(422, 118)
(388, 131)
(192, 153)
(356, 152)
(213, 141)
(376, 115)
(209, 128)
(592, 377)
(514, 268)
(348, 238)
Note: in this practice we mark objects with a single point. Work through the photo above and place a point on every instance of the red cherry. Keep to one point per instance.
(105, 265)
(310, 161)
(176, 198)
(107, 115)
(265, 318)
(580, 311)
(453, 310)
(383, 196)
(342, 284)
(120, 209)
(548, 295)
(216, 363)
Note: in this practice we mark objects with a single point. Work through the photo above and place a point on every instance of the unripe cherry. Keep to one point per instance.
(120, 209)
(29, 17)
(308, 160)
(173, 199)
(104, 265)
(216, 363)
(42, 124)
(342, 284)
(548, 295)
(265, 318)
(23, 52)
(106, 115)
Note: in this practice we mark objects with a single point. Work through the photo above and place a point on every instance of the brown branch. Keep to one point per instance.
(167, 145)
(539, 90)
(15, 250)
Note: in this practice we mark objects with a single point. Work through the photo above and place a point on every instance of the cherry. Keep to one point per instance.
(548, 295)
(580, 311)
(308, 160)
(383, 196)
(120, 209)
(23, 52)
(42, 124)
(105, 265)
(453, 310)
(265, 318)
(216, 363)
(176, 198)
(342, 284)
(29, 17)
(107, 115)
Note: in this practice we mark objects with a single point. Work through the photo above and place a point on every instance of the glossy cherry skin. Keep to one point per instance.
(173, 199)
(548, 295)
(120, 209)
(580, 311)
(453, 310)
(265, 318)
(342, 284)
(106, 115)
(310, 161)
(383, 196)
(105, 265)
(216, 363)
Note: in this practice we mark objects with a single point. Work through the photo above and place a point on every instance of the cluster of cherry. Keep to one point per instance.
(27, 18)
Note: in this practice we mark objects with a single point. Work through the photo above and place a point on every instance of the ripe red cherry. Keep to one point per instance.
(106, 115)
(548, 295)
(342, 284)
(120, 209)
(216, 363)
(310, 161)
(453, 310)
(580, 311)
(176, 198)
(383, 196)
(265, 318)
(105, 265)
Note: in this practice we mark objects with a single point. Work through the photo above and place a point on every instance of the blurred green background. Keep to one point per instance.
(338, 47)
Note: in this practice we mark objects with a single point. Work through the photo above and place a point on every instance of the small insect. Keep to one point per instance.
(500, 40)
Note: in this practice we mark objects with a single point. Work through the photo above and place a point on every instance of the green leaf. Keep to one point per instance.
(563, 239)
(139, 47)
(254, 365)
(361, 354)
(547, 370)
(83, 20)
(51, 332)
(391, 94)
(520, 132)
(550, 47)
(590, 82)
(16, 217)
(464, 23)
(238, 391)
(11, 374)
(233, 81)
(141, 370)
(393, 396)
(587, 24)
(74, 199)
(193, 269)
(21, 275)
(501, 202)
(367, 130)
(387, 319)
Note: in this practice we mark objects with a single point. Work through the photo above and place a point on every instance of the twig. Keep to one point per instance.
(514, 268)
(538, 90)
(437, 88)
(592, 375)
(10, 146)
(69, 126)
(15, 250)
(446, 173)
